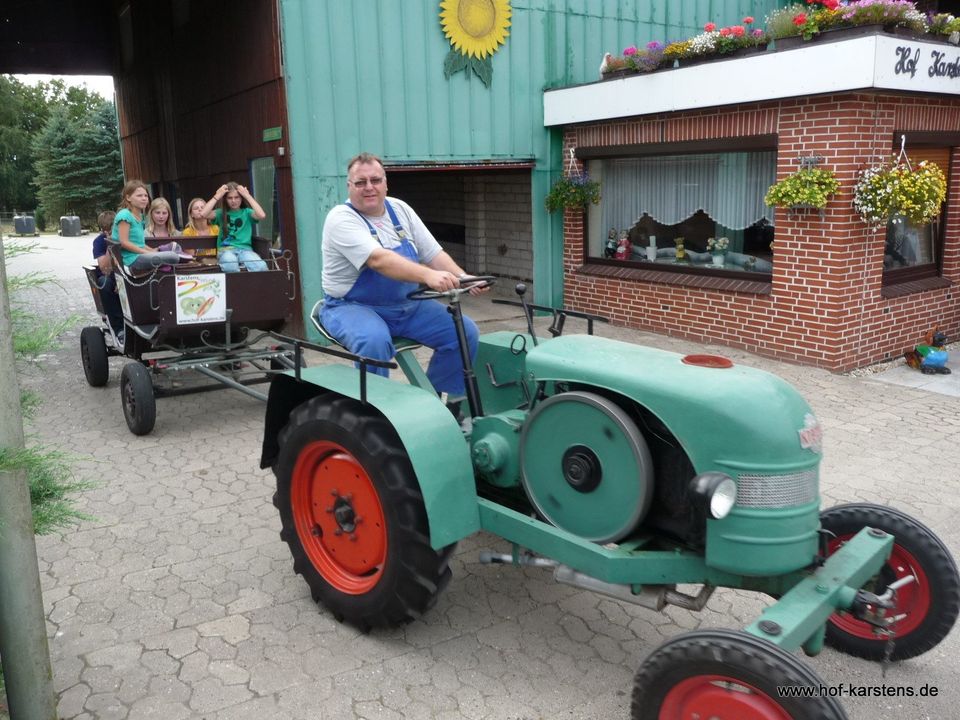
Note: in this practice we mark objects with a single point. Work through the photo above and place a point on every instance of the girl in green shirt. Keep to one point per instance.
(237, 212)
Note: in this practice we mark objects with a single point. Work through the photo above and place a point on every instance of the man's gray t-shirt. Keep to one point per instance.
(347, 242)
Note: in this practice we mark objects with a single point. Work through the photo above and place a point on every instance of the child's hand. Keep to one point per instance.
(221, 191)
(243, 191)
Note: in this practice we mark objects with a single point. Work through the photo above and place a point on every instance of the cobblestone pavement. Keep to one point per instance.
(179, 599)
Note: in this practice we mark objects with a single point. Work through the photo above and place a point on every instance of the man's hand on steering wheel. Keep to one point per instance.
(441, 281)
(473, 284)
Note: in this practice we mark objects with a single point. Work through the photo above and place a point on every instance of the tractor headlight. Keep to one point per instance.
(715, 493)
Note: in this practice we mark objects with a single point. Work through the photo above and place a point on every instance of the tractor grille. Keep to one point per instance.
(777, 491)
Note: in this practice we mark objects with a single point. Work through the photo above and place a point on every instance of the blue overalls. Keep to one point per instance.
(376, 310)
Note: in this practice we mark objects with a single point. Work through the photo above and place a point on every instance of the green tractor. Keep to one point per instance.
(628, 470)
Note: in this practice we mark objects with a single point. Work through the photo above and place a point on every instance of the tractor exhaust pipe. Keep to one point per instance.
(522, 559)
(655, 597)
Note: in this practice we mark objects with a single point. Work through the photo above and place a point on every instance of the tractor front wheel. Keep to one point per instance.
(727, 675)
(353, 515)
(927, 607)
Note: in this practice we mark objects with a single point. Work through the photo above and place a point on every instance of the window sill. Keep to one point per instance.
(914, 286)
(707, 282)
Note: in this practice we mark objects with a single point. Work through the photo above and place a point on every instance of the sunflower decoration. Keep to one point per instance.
(475, 29)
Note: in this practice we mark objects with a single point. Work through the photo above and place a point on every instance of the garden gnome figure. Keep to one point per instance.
(610, 247)
(624, 246)
(930, 357)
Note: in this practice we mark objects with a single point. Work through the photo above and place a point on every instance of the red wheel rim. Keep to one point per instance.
(913, 600)
(721, 697)
(338, 516)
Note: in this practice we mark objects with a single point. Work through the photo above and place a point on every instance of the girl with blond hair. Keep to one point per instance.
(160, 220)
(197, 222)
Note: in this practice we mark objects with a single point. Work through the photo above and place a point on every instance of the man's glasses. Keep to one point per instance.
(374, 182)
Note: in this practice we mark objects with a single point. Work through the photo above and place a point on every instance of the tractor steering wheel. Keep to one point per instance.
(467, 283)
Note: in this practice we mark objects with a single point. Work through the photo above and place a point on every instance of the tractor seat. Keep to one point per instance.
(400, 343)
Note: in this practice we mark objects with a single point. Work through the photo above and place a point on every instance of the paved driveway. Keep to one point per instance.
(179, 599)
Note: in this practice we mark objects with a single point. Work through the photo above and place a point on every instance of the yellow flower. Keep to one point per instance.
(475, 27)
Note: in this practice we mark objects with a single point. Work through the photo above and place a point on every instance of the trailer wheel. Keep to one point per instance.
(136, 394)
(93, 355)
(353, 516)
(929, 605)
(727, 675)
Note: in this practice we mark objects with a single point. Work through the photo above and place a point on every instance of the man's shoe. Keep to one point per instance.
(454, 406)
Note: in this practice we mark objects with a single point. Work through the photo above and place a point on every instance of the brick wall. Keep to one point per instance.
(499, 228)
(824, 304)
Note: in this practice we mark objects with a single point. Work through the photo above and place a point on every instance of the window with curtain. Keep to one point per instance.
(669, 206)
(912, 251)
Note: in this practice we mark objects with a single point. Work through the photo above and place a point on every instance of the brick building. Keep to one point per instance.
(690, 152)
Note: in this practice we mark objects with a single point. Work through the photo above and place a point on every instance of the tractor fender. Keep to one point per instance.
(438, 452)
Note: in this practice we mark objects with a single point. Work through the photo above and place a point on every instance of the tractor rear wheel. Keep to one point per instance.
(353, 515)
(928, 606)
(727, 675)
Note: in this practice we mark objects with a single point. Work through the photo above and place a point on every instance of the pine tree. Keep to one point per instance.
(23, 110)
(78, 163)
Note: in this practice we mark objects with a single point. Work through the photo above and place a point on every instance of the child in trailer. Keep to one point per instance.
(160, 220)
(129, 231)
(197, 224)
(237, 212)
(105, 280)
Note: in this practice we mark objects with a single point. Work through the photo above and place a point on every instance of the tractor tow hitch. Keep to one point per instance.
(872, 609)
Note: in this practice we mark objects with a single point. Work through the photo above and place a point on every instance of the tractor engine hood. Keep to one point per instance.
(735, 419)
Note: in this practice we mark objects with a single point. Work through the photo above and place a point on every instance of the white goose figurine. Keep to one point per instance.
(605, 65)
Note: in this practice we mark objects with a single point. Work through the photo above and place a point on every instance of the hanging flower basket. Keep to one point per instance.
(574, 192)
(809, 187)
(893, 188)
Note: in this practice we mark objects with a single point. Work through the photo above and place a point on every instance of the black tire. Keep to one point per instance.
(335, 447)
(727, 675)
(930, 604)
(93, 355)
(136, 395)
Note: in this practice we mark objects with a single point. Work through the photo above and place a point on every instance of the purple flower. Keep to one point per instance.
(632, 50)
(757, 33)
(655, 45)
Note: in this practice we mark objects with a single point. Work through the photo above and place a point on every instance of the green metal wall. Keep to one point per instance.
(368, 75)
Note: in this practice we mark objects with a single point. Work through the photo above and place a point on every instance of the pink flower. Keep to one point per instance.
(737, 30)
(758, 33)
(747, 20)
(632, 50)
(830, 4)
(724, 32)
(800, 19)
(710, 27)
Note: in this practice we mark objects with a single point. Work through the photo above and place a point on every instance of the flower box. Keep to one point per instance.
(831, 35)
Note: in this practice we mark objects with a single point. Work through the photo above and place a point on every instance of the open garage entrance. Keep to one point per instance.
(481, 215)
